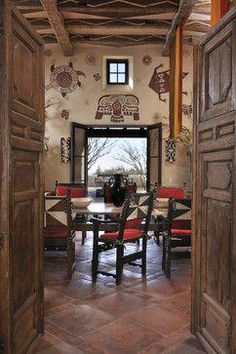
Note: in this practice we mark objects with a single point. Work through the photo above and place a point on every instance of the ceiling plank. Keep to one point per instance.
(184, 11)
(57, 23)
(122, 11)
(147, 30)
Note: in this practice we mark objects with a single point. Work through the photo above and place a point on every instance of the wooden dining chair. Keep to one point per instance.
(133, 225)
(167, 192)
(58, 232)
(178, 230)
(75, 190)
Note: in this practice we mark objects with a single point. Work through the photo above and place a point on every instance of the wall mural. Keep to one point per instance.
(91, 59)
(64, 79)
(97, 77)
(160, 82)
(170, 150)
(118, 107)
(65, 114)
(65, 149)
(146, 60)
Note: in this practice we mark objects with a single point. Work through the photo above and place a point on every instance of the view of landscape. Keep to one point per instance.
(108, 156)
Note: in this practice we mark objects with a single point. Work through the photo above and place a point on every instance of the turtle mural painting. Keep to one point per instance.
(118, 107)
(64, 79)
(160, 82)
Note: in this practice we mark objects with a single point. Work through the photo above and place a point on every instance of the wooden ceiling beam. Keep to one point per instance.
(57, 25)
(109, 30)
(121, 11)
(184, 11)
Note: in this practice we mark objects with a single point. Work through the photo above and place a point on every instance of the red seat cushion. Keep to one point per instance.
(133, 223)
(56, 231)
(129, 234)
(181, 232)
(170, 192)
(74, 192)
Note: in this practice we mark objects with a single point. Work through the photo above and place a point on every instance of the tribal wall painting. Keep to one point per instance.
(147, 60)
(65, 149)
(160, 82)
(91, 59)
(118, 107)
(65, 114)
(170, 150)
(97, 77)
(64, 79)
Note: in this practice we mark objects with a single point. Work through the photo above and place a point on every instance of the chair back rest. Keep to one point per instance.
(179, 213)
(131, 188)
(74, 190)
(57, 211)
(137, 209)
(166, 192)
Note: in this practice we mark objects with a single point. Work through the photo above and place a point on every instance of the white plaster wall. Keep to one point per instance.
(82, 103)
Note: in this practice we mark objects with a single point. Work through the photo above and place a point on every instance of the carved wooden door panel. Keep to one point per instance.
(214, 261)
(21, 187)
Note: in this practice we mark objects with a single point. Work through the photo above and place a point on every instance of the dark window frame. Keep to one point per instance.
(117, 61)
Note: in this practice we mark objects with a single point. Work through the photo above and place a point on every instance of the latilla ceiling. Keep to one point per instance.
(114, 23)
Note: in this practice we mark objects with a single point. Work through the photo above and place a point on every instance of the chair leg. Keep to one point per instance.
(83, 237)
(119, 263)
(157, 237)
(70, 258)
(144, 256)
(166, 260)
(83, 232)
(95, 260)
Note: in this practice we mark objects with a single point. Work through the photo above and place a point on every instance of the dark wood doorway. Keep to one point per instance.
(214, 248)
(21, 183)
(81, 133)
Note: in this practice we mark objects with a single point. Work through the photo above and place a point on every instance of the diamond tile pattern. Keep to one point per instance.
(140, 316)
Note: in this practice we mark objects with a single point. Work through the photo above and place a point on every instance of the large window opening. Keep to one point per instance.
(110, 156)
(98, 153)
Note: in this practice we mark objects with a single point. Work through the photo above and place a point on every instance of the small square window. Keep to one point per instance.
(117, 72)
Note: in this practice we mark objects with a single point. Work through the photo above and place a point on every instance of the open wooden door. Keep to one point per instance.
(154, 152)
(214, 243)
(79, 153)
(21, 182)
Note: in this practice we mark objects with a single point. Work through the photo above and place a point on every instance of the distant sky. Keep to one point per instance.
(109, 160)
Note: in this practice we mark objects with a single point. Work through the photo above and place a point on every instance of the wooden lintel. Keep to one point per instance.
(57, 23)
(182, 15)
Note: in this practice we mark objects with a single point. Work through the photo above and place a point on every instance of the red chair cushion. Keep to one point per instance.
(170, 192)
(56, 231)
(133, 223)
(129, 234)
(181, 232)
(74, 192)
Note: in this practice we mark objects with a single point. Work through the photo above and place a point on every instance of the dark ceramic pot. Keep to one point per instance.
(118, 188)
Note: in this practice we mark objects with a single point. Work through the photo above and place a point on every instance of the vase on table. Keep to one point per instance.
(118, 189)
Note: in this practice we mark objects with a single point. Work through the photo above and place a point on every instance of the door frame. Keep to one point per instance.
(111, 131)
(151, 127)
(75, 125)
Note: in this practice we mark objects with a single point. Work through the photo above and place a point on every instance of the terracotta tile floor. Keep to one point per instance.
(141, 316)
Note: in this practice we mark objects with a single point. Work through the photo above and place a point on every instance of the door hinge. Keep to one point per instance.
(1, 241)
(2, 346)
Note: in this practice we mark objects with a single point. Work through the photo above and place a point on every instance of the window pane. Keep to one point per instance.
(113, 68)
(113, 78)
(121, 68)
(121, 78)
